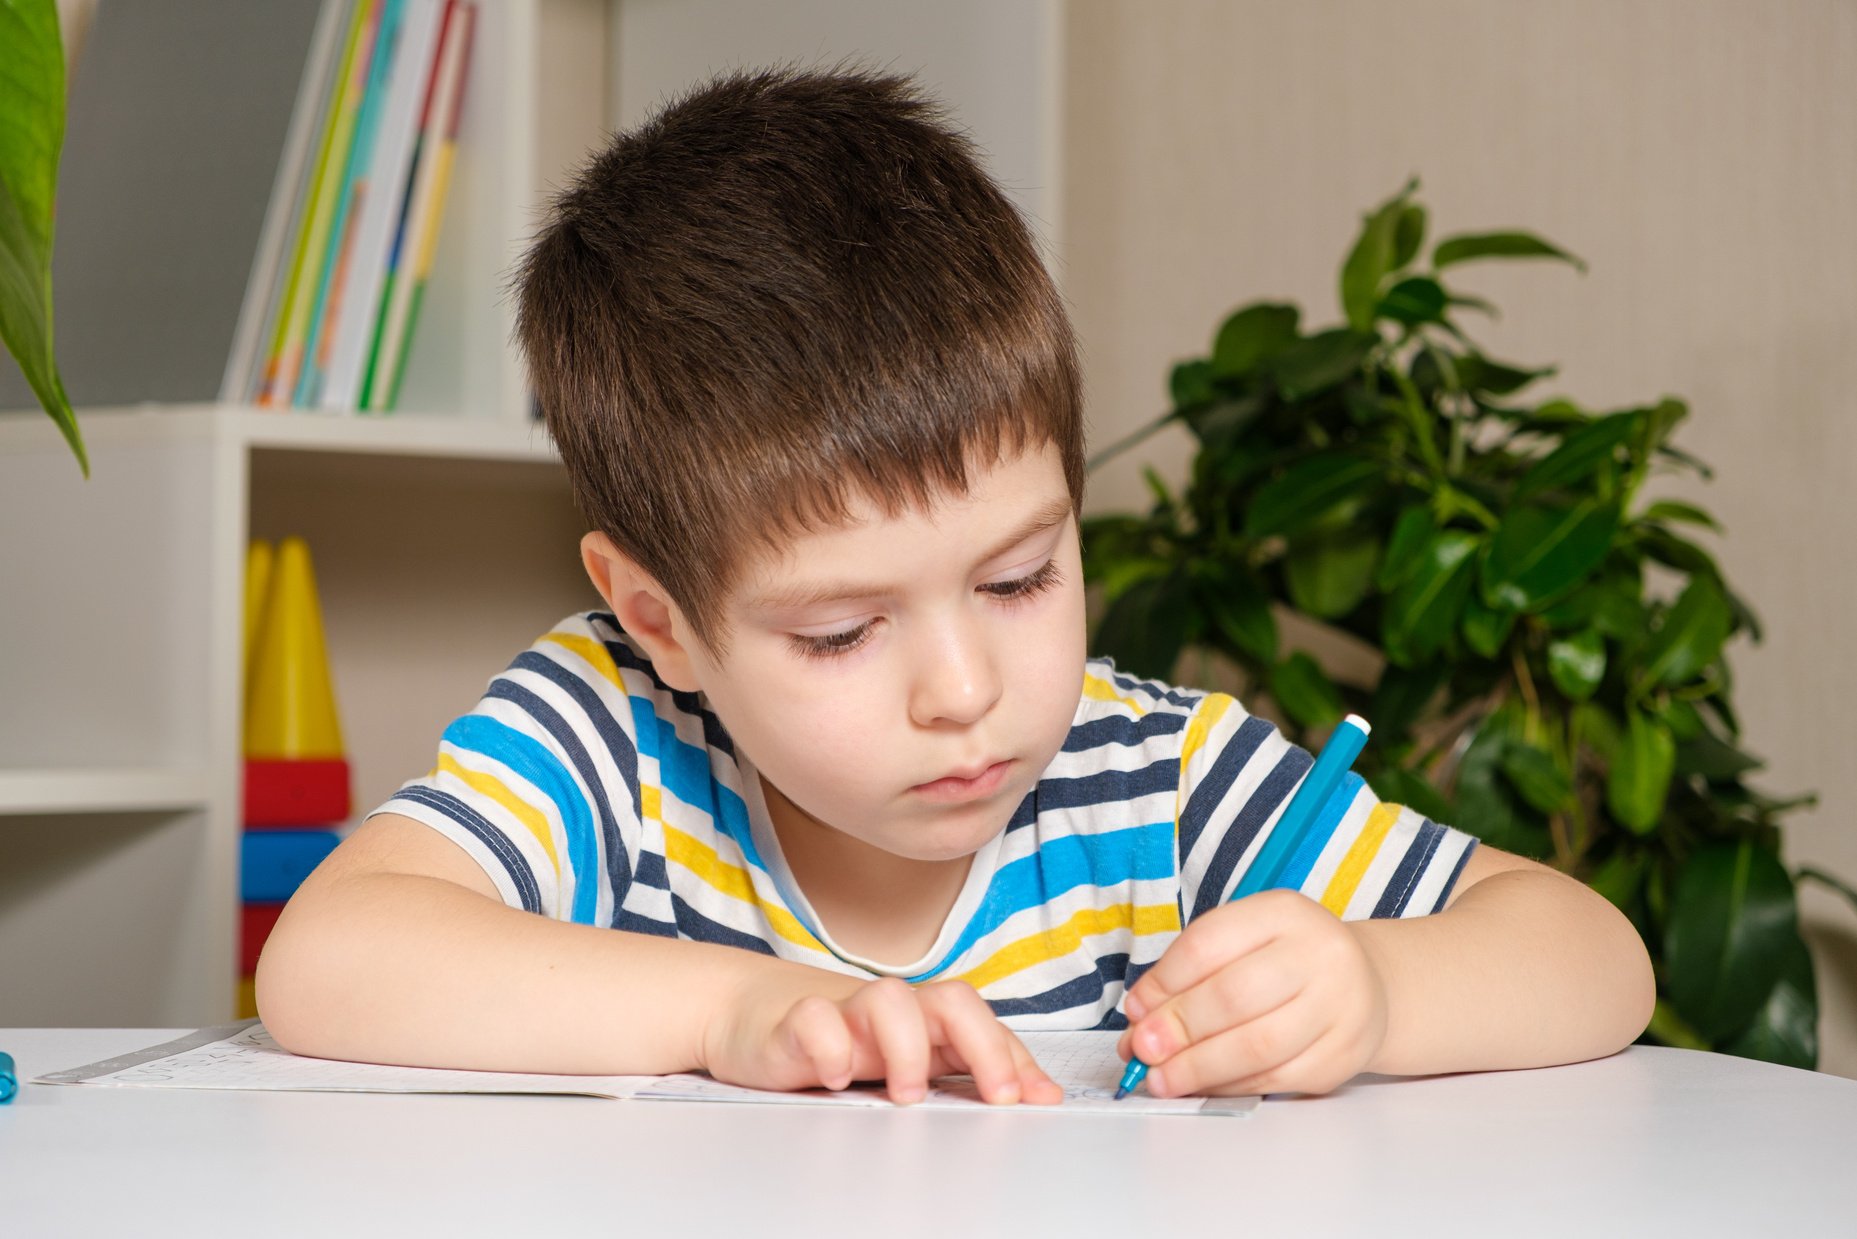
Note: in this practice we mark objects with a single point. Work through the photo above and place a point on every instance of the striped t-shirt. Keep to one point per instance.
(592, 792)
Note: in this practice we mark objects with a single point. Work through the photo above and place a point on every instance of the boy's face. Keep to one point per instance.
(905, 680)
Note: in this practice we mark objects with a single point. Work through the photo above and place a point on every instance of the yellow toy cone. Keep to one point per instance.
(295, 773)
(291, 711)
(257, 585)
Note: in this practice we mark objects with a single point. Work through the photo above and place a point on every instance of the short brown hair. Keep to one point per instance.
(784, 289)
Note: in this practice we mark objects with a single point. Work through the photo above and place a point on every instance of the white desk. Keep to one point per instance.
(1648, 1142)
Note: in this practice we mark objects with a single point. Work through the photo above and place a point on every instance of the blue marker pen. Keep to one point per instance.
(9, 1083)
(1266, 871)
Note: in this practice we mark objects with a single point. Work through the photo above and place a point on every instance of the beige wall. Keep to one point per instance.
(1701, 155)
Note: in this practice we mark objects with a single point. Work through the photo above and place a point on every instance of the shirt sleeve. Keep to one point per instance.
(539, 781)
(1362, 857)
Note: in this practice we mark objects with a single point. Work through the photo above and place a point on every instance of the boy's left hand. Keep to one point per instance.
(1268, 994)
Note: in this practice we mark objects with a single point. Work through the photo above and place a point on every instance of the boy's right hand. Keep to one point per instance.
(878, 1030)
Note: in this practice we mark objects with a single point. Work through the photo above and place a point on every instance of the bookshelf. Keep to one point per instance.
(119, 663)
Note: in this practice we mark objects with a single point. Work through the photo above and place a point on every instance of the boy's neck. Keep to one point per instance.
(876, 905)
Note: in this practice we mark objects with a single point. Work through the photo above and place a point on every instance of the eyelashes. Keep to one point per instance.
(1013, 592)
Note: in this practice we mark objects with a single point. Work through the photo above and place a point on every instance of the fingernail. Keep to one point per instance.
(1008, 1094)
(908, 1096)
(1153, 1042)
(1133, 1007)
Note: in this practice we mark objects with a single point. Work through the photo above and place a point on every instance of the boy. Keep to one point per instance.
(830, 792)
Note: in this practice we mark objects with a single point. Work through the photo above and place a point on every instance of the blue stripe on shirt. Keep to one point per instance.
(1211, 790)
(1106, 860)
(528, 757)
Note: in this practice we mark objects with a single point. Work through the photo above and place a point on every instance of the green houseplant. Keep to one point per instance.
(1551, 636)
(31, 135)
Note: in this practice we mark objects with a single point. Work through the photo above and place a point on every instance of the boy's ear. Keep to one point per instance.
(643, 608)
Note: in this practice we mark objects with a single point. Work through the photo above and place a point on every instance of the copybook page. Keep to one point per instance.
(243, 1056)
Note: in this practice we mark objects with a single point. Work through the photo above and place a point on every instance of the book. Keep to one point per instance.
(379, 198)
(360, 157)
(264, 294)
(411, 262)
(286, 358)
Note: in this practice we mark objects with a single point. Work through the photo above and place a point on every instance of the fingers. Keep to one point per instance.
(817, 1035)
(1258, 1057)
(887, 1016)
(973, 1039)
(1214, 941)
(1238, 994)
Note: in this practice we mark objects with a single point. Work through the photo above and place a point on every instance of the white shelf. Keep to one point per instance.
(29, 792)
(398, 434)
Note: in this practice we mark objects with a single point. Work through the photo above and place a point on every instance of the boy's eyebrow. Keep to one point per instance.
(800, 597)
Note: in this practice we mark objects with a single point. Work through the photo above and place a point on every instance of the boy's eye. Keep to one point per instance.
(830, 644)
(1025, 586)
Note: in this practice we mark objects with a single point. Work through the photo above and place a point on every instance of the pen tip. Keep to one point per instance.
(1120, 1092)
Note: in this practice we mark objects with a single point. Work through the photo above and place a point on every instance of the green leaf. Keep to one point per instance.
(1405, 550)
(1240, 611)
(1330, 572)
(1537, 776)
(1310, 490)
(1690, 637)
(1713, 759)
(1190, 383)
(1396, 785)
(1146, 627)
(1479, 373)
(1371, 260)
(1679, 553)
(1251, 337)
(1578, 455)
(1488, 806)
(1639, 781)
(1785, 1029)
(1539, 553)
(1619, 879)
(32, 98)
(1417, 299)
(1596, 729)
(1464, 248)
(1317, 363)
(1685, 723)
(1423, 610)
(1668, 510)
(1732, 923)
(1400, 698)
(1486, 628)
(1305, 692)
(1577, 663)
(1408, 235)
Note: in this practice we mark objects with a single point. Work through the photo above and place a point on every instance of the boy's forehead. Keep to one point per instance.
(872, 548)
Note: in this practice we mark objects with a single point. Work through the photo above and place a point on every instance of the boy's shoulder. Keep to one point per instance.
(1124, 717)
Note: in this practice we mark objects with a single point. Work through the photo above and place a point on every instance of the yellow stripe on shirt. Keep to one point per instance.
(1060, 940)
(1098, 689)
(493, 787)
(732, 880)
(1354, 865)
(592, 652)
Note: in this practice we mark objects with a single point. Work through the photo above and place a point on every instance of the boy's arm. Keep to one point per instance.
(398, 950)
(1523, 968)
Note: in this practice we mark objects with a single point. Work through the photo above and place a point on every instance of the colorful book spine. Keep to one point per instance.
(287, 347)
(418, 243)
(379, 205)
(328, 300)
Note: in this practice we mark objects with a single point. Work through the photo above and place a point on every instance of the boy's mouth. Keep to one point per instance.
(974, 784)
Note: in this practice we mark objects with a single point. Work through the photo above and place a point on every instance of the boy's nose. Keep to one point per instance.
(958, 679)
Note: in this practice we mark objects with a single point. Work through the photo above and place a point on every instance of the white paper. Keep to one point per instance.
(245, 1057)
